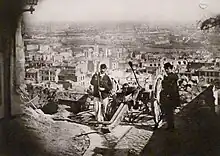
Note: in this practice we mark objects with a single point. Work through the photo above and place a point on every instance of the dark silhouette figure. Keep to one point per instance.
(169, 96)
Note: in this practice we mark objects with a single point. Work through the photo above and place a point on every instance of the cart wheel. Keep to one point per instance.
(156, 100)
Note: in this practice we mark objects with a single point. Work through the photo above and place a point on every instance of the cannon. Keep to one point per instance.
(147, 103)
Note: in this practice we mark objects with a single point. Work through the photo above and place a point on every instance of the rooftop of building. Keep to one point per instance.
(32, 70)
(212, 68)
(48, 68)
(66, 72)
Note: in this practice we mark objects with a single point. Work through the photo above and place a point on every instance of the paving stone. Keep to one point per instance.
(135, 139)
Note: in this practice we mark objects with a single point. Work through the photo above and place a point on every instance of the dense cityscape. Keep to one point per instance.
(66, 56)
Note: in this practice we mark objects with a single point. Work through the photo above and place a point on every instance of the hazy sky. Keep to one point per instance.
(117, 10)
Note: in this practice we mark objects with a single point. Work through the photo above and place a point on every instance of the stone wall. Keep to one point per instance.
(20, 55)
(18, 71)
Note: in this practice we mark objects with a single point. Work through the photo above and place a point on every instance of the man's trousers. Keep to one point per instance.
(100, 106)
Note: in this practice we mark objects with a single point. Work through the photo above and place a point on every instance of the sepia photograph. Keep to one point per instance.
(110, 78)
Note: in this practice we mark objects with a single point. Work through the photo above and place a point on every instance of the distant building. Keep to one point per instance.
(45, 48)
(150, 64)
(114, 65)
(199, 64)
(67, 74)
(162, 42)
(144, 79)
(49, 74)
(32, 47)
(65, 55)
(91, 66)
(82, 80)
(122, 65)
(32, 74)
(209, 75)
(82, 66)
(39, 64)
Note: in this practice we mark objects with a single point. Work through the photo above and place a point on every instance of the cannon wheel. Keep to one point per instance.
(156, 106)
(112, 105)
(111, 109)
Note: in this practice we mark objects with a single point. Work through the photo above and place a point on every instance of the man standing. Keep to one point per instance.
(102, 86)
(169, 96)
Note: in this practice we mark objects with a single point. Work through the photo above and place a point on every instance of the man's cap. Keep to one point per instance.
(103, 66)
(168, 65)
(125, 85)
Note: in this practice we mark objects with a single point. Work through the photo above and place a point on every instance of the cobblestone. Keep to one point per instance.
(135, 140)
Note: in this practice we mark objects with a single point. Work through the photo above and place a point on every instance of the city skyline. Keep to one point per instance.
(122, 10)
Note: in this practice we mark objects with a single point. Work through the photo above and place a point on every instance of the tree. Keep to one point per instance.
(210, 23)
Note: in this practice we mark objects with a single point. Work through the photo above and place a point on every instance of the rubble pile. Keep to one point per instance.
(188, 91)
(62, 112)
(35, 133)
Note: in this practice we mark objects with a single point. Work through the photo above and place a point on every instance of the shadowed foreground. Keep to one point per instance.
(38, 135)
(196, 134)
